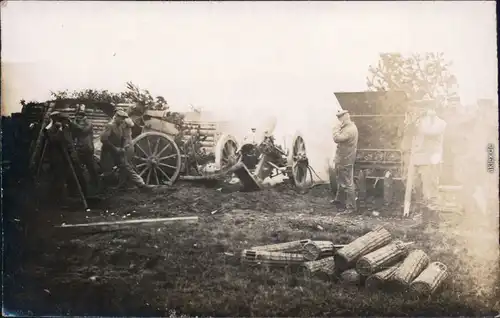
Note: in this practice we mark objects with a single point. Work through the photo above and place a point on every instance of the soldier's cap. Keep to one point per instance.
(340, 113)
(121, 113)
(55, 114)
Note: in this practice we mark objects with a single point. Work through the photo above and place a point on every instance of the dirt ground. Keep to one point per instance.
(194, 269)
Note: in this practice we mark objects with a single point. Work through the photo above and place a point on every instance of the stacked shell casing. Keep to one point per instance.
(294, 246)
(381, 278)
(351, 277)
(271, 258)
(411, 267)
(371, 241)
(382, 258)
(324, 266)
(429, 280)
(318, 249)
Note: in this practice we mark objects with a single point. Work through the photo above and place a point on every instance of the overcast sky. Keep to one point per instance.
(239, 54)
(248, 57)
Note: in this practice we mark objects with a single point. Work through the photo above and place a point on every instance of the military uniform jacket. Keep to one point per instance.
(83, 133)
(428, 148)
(116, 136)
(347, 144)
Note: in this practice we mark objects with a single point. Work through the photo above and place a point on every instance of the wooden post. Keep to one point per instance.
(362, 186)
(409, 180)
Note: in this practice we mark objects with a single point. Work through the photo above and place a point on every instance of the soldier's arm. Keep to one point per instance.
(342, 136)
(127, 136)
(105, 137)
(85, 127)
(51, 133)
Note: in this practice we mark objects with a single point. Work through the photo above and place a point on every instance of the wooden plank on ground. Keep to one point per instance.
(188, 219)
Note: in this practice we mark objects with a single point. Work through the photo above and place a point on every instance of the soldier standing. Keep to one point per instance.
(116, 149)
(346, 138)
(83, 133)
(427, 157)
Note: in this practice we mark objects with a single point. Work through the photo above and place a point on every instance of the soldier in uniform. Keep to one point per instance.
(83, 134)
(116, 149)
(427, 158)
(346, 138)
(60, 149)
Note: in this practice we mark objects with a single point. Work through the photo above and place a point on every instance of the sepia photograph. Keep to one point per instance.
(250, 159)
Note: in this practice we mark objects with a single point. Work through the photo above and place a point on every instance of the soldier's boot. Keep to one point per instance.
(339, 197)
(95, 181)
(433, 211)
(146, 187)
(351, 206)
(428, 215)
(128, 172)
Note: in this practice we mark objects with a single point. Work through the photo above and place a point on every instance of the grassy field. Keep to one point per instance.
(194, 269)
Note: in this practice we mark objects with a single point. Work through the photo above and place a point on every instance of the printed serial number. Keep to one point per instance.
(490, 165)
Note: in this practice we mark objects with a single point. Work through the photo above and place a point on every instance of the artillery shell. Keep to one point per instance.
(429, 280)
(382, 258)
(411, 267)
(379, 279)
(318, 249)
(323, 266)
(294, 246)
(271, 258)
(371, 241)
(351, 277)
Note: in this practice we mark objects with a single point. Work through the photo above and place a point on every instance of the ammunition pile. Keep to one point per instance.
(374, 260)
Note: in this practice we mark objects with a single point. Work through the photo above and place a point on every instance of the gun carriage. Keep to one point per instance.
(260, 157)
(161, 153)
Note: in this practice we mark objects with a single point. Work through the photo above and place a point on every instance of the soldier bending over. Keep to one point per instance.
(117, 150)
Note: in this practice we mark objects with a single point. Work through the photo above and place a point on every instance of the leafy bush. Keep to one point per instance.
(144, 100)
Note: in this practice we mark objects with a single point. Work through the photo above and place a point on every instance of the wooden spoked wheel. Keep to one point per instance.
(225, 152)
(299, 162)
(157, 158)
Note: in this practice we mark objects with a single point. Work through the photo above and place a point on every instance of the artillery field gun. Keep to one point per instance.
(162, 154)
(156, 150)
(262, 158)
